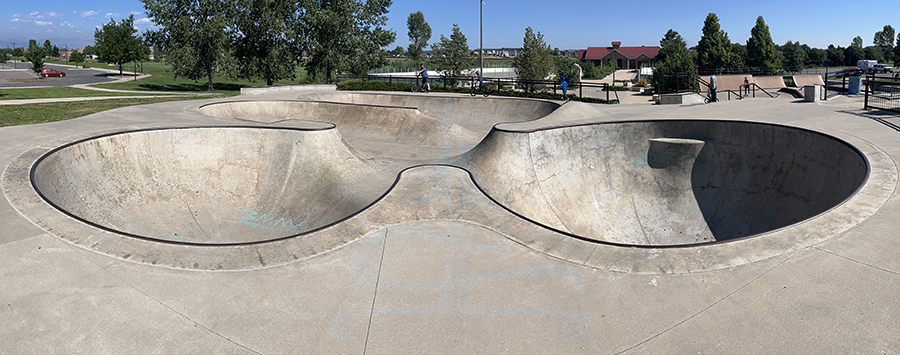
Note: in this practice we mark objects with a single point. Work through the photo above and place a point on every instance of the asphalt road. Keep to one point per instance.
(73, 77)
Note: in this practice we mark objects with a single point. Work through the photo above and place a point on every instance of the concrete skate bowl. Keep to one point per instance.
(396, 126)
(210, 186)
(666, 183)
(475, 113)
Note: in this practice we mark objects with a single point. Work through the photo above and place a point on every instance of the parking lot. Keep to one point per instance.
(10, 78)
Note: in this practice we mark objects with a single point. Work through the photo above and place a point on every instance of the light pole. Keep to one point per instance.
(481, 39)
(67, 53)
(15, 65)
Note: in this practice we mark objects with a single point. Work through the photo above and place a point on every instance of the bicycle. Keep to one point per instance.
(474, 91)
(417, 85)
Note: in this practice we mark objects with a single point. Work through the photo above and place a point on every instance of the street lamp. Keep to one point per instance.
(481, 40)
(15, 65)
(67, 53)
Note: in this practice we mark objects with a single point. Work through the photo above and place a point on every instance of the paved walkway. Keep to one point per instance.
(438, 283)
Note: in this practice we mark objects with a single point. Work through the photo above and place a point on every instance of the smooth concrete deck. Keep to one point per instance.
(435, 266)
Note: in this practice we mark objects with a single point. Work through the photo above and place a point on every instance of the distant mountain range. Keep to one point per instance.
(61, 42)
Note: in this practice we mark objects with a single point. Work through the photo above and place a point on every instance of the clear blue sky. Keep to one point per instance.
(565, 24)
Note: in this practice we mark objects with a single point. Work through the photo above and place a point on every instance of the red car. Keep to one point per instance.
(50, 72)
(843, 73)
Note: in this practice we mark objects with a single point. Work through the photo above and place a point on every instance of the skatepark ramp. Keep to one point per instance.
(210, 186)
(668, 182)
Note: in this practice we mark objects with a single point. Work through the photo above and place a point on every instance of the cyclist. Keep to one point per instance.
(424, 73)
(480, 81)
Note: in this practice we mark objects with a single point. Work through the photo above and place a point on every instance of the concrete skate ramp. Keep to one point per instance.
(386, 124)
(210, 185)
(672, 182)
(808, 79)
(728, 82)
(770, 82)
(465, 110)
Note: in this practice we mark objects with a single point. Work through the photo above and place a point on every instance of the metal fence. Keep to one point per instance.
(882, 95)
(599, 90)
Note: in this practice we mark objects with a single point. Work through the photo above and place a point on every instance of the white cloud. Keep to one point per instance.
(111, 14)
(34, 14)
(49, 30)
(74, 12)
(52, 14)
(43, 23)
(67, 24)
(89, 13)
(79, 31)
(143, 21)
(135, 12)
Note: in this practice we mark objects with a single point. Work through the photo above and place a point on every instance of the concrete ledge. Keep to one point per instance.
(271, 89)
(680, 98)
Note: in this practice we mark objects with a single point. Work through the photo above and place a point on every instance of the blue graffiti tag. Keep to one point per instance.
(262, 221)
(772, 214)
(170, 236)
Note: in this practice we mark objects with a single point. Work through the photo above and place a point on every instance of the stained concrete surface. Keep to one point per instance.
(455, 273)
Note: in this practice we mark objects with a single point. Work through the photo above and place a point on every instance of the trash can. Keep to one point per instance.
(855, 84)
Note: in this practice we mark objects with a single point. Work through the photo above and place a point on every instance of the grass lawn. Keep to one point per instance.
(163, 79)
(14, 115)
(55, 92)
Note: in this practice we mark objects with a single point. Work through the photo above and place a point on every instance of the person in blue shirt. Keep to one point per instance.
(565, 87)
(424, 73)
(480, 81)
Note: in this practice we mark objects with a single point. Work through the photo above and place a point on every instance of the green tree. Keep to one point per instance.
(398, 52)
(853, 54)
(566, 68)
(18, 52)
(89, 50)
(671, 37)
(857, 41)
(739, 53)
(884, 41)
(816, 57)
(346, 35)
(117, 42)
(676, 70)
(195, 31)
(419, 33)
(48, 48)
(714, 47)
(266, 39)
(76, 57)
(896, 56)
(872, 54)
(452, 54)
(760, 48)
(794, 56)
(535, 61)
(35, 55)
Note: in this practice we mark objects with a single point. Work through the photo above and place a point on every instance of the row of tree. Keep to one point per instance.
(267, 39)
(715, 53)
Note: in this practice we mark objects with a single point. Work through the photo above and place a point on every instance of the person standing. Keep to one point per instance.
(712, 88)
(424, 73)
(746, 86)
(565, 87)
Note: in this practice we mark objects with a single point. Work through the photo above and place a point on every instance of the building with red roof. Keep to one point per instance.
(624, 57)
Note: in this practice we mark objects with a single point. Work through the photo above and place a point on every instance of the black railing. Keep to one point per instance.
(501, 84)
(882, 94)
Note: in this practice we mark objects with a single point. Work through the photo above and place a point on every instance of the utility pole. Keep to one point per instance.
(67, 53)
(15, 65)
(481, 51)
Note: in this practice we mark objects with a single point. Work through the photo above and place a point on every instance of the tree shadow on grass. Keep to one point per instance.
(190, 87)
